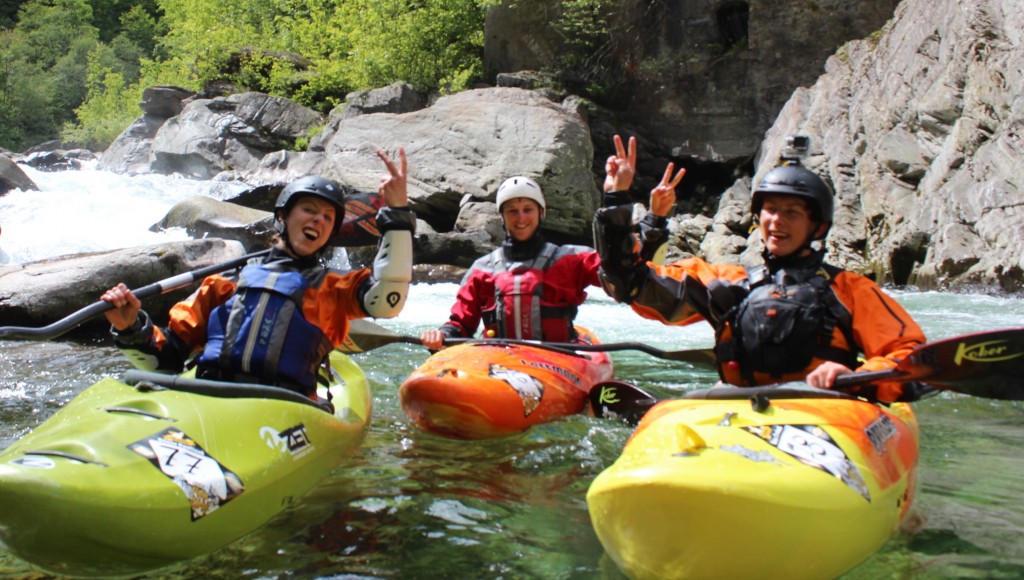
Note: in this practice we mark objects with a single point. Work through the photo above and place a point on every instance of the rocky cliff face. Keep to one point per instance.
(920, 131)
(702, 78)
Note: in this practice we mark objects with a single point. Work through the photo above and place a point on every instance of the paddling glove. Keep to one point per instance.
(392, 268)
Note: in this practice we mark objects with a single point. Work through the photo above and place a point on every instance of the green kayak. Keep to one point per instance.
(144, 472)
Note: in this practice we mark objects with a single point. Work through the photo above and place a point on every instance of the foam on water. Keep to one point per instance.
(91, 210)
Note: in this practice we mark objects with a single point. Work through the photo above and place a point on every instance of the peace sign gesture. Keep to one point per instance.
(393, 186)
(621, 167)
(663, 197)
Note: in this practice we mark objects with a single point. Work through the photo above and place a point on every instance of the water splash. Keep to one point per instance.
(91, 210)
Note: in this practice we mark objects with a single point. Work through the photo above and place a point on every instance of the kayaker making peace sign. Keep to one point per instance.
(792, 318)
(278, 321)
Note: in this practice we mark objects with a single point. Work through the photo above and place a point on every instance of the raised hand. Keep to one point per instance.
(663, 196)
(393, 186)
(621, 167)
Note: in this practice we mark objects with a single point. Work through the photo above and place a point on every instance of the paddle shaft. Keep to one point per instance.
(76, 319)
(365, 335)
(985, 364)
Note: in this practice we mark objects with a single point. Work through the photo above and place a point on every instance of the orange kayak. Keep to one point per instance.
(482, 390)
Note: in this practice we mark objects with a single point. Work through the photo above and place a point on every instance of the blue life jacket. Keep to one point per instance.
(260, 332)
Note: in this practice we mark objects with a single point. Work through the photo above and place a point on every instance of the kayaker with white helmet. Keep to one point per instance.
(794, 317)
(278, 321)
(528, 288)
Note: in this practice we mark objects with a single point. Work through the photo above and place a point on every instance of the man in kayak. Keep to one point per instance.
(792, 318)
(528, 288)
(278, 321)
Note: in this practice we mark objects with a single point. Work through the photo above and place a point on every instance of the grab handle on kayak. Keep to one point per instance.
(218, 388)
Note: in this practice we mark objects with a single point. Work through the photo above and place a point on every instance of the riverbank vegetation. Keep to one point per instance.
(75, 70)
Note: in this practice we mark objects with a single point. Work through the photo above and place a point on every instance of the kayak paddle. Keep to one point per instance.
(984, 364)
(364, 335)
(76, 319)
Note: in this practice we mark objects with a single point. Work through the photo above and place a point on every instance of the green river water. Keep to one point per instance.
(413, 505)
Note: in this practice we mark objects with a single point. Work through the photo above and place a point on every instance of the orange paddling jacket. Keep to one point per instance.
(848, 314)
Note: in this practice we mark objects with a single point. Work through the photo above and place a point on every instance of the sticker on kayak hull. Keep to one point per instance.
(879, 432)
(530, 390)
(207, 484)
(294, 440)
(812, 446)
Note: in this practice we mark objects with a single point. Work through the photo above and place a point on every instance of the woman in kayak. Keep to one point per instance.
(278, 321)
(792, 318)
(528, 288)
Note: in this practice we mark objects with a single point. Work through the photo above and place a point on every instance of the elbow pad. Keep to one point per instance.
(392, 268)
(619, 249)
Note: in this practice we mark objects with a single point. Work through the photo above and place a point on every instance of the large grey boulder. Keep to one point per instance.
(203, 217)
(232, 133)
(931, 132)
(39, 293)
(12, 177)
(130, 152)
(467, 144)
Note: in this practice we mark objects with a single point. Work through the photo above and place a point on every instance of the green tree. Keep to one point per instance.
(314, 51)
(110, 107)
(49, 28)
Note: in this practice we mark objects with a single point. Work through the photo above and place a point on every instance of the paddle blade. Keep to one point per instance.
(984, 364)
(360, 225)
(619, 400)
(364, 335)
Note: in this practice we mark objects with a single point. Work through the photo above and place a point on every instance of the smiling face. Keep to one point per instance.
(522, 217)
(309, 224)
(787, 226)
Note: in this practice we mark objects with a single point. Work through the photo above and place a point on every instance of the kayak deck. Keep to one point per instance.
(788, 488)
(482, 390)
(125, 479)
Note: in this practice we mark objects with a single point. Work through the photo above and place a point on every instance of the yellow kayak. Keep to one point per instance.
(750, 483)
(137, 474)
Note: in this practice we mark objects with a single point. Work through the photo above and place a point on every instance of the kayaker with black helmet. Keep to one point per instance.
(528, 288)
(278, 321)
(792, 318)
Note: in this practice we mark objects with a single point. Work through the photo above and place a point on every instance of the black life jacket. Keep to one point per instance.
(787, 319)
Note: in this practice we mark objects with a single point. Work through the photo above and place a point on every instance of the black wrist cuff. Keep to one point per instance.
(617, 198)
(396, 219)
(138, 333)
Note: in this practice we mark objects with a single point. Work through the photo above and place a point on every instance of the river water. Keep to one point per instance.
(412, 505)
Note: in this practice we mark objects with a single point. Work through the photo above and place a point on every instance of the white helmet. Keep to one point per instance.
(520, 186)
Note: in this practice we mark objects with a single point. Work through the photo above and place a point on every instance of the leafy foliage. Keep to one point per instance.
(77, 68)
(109, 108)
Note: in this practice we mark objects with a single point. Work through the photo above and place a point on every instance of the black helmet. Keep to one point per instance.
(799, 181)
(312, 185)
